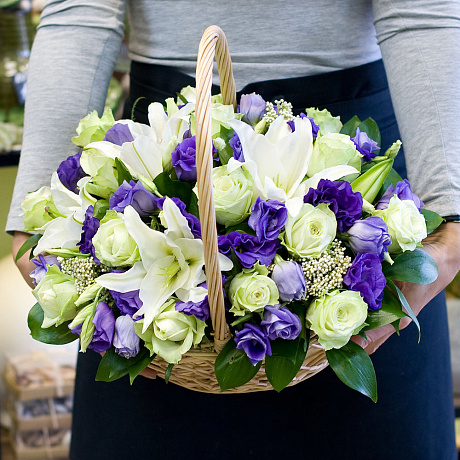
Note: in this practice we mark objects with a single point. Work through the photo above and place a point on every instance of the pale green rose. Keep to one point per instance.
(326, 122)
(252, 290)
(92, 128)
(233, 195)
(406, 225)
(102, 170)
(220, 115)
(56, 293)
(172, 333)
(311, 231)
(113, 245)
(336, 316)
(39, 209)
(188, 94)
(333, 150)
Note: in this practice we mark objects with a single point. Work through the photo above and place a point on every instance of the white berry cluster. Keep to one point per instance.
(283, 109)
(325, 273)
(83, 269)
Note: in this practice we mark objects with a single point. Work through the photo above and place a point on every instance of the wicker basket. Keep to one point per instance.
(196, 369)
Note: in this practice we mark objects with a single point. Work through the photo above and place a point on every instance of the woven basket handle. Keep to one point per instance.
(213, 43)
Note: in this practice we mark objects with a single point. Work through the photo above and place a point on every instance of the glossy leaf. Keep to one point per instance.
(233, 368)
(349, 128)
(432, 219)
(173, 188)
(30, 243)
(354, 368)
(123, 172)
(59, 335)
(100, 208)
(412, 266)
(168, 372)
(390, 312)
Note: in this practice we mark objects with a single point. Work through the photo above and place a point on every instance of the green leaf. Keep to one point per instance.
(59, 335)
(412, 266)
(432, 219)
(113, 366)
(226, 153)
(30, 243)
(354, 368)
(406, 305)
(390, 312)
(100, 208)
(123, 172)
(168, 372)
(193, 207)
(370, 127)
(142, 360)
(233, 368)
(349, 128)
(173, 188)
(285, 361)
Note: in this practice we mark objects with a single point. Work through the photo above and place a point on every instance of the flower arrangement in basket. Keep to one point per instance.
(229, 247)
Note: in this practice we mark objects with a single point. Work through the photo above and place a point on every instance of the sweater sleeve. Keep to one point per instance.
(72, 60)
(419, 42)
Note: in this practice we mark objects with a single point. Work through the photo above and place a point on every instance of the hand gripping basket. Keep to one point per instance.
(196, 369)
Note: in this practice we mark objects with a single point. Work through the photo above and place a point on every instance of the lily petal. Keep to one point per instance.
(124, 282)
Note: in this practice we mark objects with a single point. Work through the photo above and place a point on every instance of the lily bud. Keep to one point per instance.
(369, 183)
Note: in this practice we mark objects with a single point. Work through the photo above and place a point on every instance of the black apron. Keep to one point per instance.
(319, 418)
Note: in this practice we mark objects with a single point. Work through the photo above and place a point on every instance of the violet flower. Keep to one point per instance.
(280, 323)
(365, 276)
(253, 340)
(125, 339)
(369, 236)
(237, 148)
(136, 195)
(267, 218)
(127, 302)
(248, 248)
(184, 160)
(365, 145)
(314, 126)
(343, 202)
(41, 267)
(252, 106)
(290, 280)
(90, 227)
(403, 191)
(70, 172)
(118, 134)
(104, 322)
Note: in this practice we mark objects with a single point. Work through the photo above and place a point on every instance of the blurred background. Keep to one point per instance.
(36, 382)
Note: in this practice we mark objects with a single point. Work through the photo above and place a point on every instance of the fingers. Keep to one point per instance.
(149, 373)
(24, 265)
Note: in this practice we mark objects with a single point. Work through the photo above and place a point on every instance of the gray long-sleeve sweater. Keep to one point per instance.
(78, 42)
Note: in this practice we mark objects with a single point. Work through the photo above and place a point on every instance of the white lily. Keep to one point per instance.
(278, 161)
(171, 261)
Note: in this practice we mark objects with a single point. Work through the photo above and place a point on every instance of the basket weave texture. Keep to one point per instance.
(195, 371)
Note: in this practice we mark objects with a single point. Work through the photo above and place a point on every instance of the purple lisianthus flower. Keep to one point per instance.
(314, 126)
(280, 323)
(248, 248)
(402, 191)
(125, 339)
(70, 172)
(252, 106)
(136, 195)
(369, 236)
(291, 125)
(193, 221)
(343, 202)
(90, 227)
(237, 148)
(104, 323)
(184, 159)
(118, 134)
(365, 145)
(127, 302)
(290, 280)
(41, 267)
(365, 276)
(253, 340)
(267, 218)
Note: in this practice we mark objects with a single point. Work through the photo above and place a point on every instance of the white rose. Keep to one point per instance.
(406, 225)
(336, 316)
(311, 231)
(233, 193)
